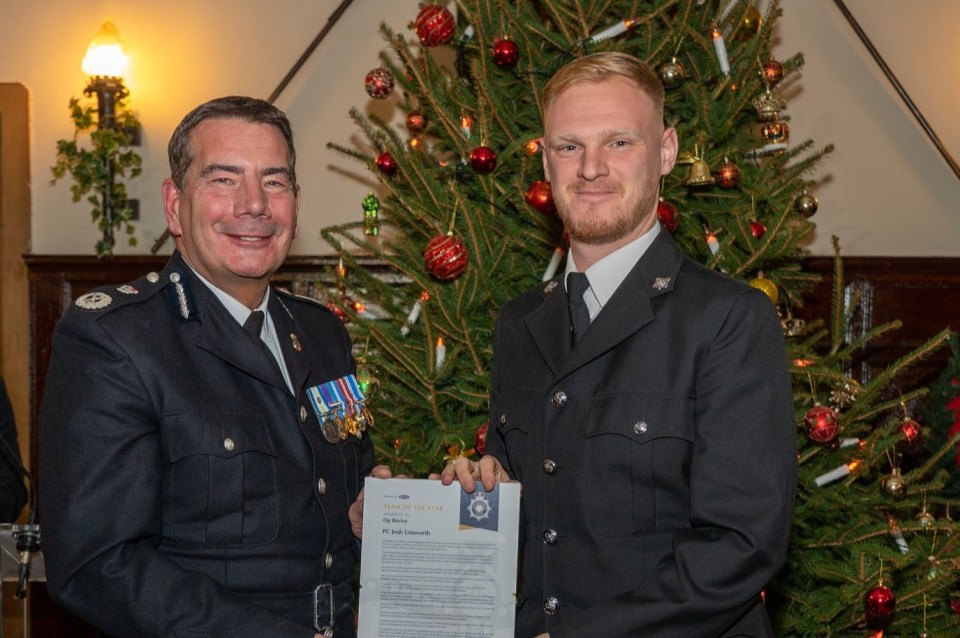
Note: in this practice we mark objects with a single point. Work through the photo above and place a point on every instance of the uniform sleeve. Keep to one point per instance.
(743, 476)
(100, 493)
(13, 493)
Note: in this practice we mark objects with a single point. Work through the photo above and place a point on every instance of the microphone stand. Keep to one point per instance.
(27, 536)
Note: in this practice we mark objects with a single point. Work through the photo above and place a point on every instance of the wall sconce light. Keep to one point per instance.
(106, 64)
(98, 170)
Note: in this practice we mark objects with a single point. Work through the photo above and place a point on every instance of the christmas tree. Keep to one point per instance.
(465, 221)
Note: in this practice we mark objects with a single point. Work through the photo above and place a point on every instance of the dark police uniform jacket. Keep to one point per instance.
(657, 456)
(185, 491)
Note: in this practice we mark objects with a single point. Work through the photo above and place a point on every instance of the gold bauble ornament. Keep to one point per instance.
(766, 286)
(750, 24)
(925, 519)
(894, 484)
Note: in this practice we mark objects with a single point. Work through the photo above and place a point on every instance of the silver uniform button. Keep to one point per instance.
(322, 486)
(503, 419)
(550, 537)
(549, 466)
(303, 414)
(640, 427)
(328, 560)
(228, 444)
(175, 277)
(559, 399)
(550, 605)
(153, 277)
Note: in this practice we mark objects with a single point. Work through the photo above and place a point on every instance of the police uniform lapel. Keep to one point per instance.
(290, 342)
(219, 333)
(629, 309)
(549, 324)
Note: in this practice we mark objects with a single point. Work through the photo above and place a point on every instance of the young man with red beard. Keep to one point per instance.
(650, 420)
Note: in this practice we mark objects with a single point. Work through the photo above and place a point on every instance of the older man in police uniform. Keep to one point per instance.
(643, 400)
(198, 478)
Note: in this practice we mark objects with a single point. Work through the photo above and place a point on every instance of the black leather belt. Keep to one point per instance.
(328, 607)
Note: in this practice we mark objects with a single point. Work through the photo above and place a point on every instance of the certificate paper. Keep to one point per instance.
(437, 562)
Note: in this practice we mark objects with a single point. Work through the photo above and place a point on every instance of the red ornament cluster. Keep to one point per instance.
(445, 257)
(379, 83)
(728, 175)
(668, 216)
(435, 25)
(506, 54)
(772, 72)
(416, 122)
(540, 197)
(386, 164)
(757, 229)
(880, 603)
(483, 159)
(822, 424)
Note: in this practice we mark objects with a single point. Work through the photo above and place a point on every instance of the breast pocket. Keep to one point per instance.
(221, 483)
(514, 426)
(638, 449)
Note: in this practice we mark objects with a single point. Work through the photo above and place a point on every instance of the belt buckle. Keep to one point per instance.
(323, 594)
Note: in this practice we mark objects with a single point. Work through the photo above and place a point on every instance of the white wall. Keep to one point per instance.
(885, 191)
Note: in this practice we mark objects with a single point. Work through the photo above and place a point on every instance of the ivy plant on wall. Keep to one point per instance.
(98, 171)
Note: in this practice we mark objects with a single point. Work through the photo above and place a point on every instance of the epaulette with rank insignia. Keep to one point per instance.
(112, 297)
(289, 295)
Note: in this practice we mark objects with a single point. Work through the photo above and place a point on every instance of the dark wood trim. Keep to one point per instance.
(921, 292)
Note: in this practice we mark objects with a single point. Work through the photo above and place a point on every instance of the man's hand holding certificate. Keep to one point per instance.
(438, 562)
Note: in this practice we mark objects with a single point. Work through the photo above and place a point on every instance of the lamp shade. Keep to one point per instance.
(105, 56)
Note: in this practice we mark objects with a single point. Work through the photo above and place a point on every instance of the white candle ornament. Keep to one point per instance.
(611, 32)
(721, 48)
(411, 317)
(441, 352)
(835, 474)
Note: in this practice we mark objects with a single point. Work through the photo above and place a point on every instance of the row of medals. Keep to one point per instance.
(338, 425)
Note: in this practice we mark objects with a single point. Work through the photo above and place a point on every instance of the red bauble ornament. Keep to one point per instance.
(728, 175)
(540, 197)
(911, 431)
(434, 25)
(445, 257)
(379, 83)
(483, 159)
(880, 603)
(776, 132)
(822, 424)
(757, 229)
(386, 164)
(482, 439)
(668, 216)
(772, 72)
(506, 53)
(416, 122)
(955, 606)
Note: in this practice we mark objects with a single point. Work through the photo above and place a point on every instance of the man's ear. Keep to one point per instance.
(669, 146)
(171, 207)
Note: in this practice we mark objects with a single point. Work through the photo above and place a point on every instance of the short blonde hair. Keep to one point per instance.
(598, 67)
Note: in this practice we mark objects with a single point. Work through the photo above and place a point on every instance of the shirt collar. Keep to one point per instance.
(236, 309)
(607, 274)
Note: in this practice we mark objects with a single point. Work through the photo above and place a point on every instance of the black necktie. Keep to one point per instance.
(577, 285)
(253, 326)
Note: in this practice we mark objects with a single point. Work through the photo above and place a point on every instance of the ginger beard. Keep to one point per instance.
(588, 227)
